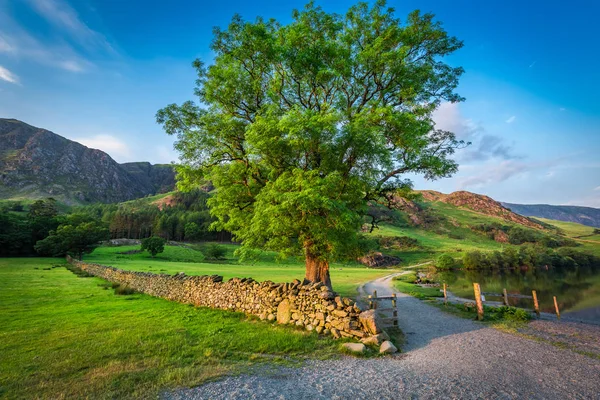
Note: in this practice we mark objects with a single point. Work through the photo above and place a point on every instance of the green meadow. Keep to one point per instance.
(62, 336)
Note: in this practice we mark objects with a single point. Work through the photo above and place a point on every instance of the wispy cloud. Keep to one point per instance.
(511, 119)
(597, 188)
(70, 45)
(484, 145)
(65, 18)
(532, 64)
(108, 143)
(500, 172)
(8, 76)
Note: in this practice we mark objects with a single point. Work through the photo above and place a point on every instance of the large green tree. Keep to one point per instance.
(300, 126)
(73, 239)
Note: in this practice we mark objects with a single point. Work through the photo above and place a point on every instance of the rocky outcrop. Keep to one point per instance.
(311, 306)
(376, 259)
(36, 163)
(480, 203)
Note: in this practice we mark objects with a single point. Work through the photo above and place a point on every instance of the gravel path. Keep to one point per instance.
(444, 357)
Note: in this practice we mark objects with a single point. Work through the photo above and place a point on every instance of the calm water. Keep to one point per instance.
(577, 288)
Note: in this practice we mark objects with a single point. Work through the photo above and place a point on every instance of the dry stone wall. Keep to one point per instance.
(309, 305)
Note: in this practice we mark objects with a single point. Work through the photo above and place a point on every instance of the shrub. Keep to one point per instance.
(506, 313)
(124, 290)
(216, 252)
(153, 245)
(445, 261)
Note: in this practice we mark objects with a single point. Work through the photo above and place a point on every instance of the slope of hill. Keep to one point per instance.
(583, 215)
(479, 203)
(37, 163)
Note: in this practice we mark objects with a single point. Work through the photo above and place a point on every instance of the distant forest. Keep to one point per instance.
(185, 218)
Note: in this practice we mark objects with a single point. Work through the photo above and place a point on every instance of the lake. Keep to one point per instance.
(576, 289)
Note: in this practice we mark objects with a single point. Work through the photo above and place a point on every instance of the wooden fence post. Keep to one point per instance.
(395, 310)
(370, 302)
(536, 306)
(445, 295)
(477, 290)
(505, 296)
(375, 299)
(556, 308)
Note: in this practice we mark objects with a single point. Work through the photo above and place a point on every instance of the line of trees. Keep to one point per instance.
(523, 256)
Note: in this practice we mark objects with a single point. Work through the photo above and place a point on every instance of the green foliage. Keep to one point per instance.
(507, 314)
(153, 245)
(215, 252)
(307, 122)
(445, 261)
(529, 256)
(70, 239)
(192, 231)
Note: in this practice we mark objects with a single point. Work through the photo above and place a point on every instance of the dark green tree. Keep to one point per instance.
(70, 239)
(304, 124)
(153, 245)
(445, 261)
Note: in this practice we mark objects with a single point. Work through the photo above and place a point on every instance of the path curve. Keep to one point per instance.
(444, 357)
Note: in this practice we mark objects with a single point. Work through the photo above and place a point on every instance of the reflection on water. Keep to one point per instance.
(573, 287)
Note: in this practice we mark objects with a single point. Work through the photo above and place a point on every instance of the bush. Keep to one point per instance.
(445, 261)
(216, 252)
(153, 245)
(506, 313)
(124, 290)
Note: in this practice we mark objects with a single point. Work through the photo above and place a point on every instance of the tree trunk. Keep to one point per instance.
(317, 270)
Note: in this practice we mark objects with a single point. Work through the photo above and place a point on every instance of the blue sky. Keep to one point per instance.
(96, 71)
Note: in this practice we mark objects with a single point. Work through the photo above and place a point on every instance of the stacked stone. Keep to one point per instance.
(312, 306)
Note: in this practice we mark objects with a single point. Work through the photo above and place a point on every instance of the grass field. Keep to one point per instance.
(62, 336)
(345, 277)
(581, 233)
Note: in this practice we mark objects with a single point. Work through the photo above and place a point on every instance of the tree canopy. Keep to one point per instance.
(153, 245)
(75, 239)
(300, 126)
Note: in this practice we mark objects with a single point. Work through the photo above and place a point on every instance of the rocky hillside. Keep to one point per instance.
(583, 215)
(481, 204)
(37, 163)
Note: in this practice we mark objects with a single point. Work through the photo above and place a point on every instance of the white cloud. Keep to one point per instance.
(597, 188)
(511, 119)
(8, 76)
(494, 173)
(109, 144)
(562, 109)
(484, 145)
(448, 117)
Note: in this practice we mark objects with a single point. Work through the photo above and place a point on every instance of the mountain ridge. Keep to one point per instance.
(588, 216)
(37, 163)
